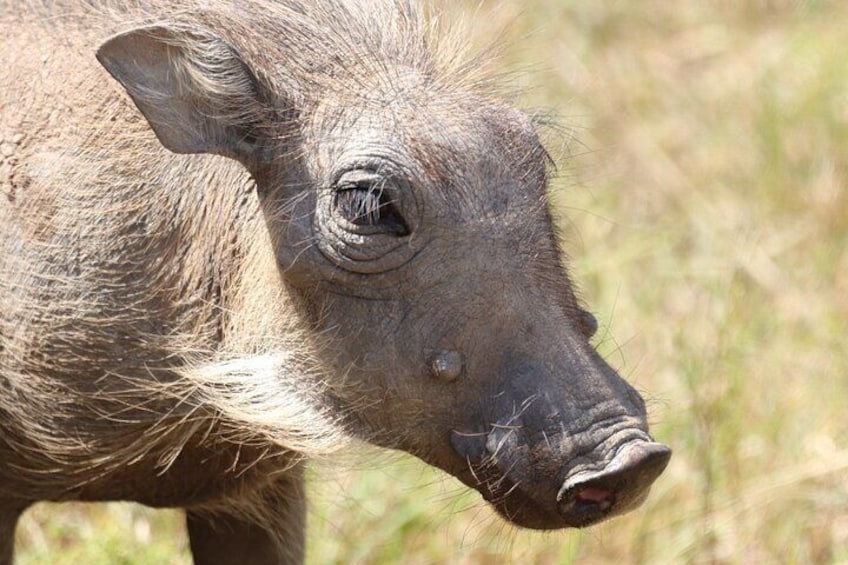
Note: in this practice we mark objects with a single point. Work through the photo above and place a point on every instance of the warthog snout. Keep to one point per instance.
(623, 484)
(544, 485)
(564, 440)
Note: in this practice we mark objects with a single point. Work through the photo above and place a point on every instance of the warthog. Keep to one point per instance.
(277, 227)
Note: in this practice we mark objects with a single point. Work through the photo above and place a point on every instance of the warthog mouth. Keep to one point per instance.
(589, 494)
(510, 501)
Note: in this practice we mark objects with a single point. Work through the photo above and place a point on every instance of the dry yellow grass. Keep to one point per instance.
(704, 206)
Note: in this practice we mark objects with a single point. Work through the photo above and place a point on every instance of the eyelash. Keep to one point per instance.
(369, 204)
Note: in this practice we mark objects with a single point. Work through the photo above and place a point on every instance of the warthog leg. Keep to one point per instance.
(9, 514)
(264, 528)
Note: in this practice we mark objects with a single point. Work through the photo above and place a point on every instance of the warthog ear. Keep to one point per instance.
(195, 90)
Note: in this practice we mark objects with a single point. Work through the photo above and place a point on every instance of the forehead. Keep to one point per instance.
(452, 138)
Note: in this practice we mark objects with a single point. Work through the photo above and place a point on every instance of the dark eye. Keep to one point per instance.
(369, 204)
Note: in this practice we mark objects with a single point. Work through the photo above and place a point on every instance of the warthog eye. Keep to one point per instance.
(364, 219)
(368, 202)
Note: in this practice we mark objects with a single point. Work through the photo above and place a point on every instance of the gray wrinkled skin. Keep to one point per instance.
(254, 231)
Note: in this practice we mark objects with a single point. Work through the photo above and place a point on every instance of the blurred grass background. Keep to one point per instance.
(702, 198)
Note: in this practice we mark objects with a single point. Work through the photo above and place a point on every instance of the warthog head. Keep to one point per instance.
(409, 215)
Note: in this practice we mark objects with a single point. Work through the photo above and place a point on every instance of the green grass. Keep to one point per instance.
(704, 206)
